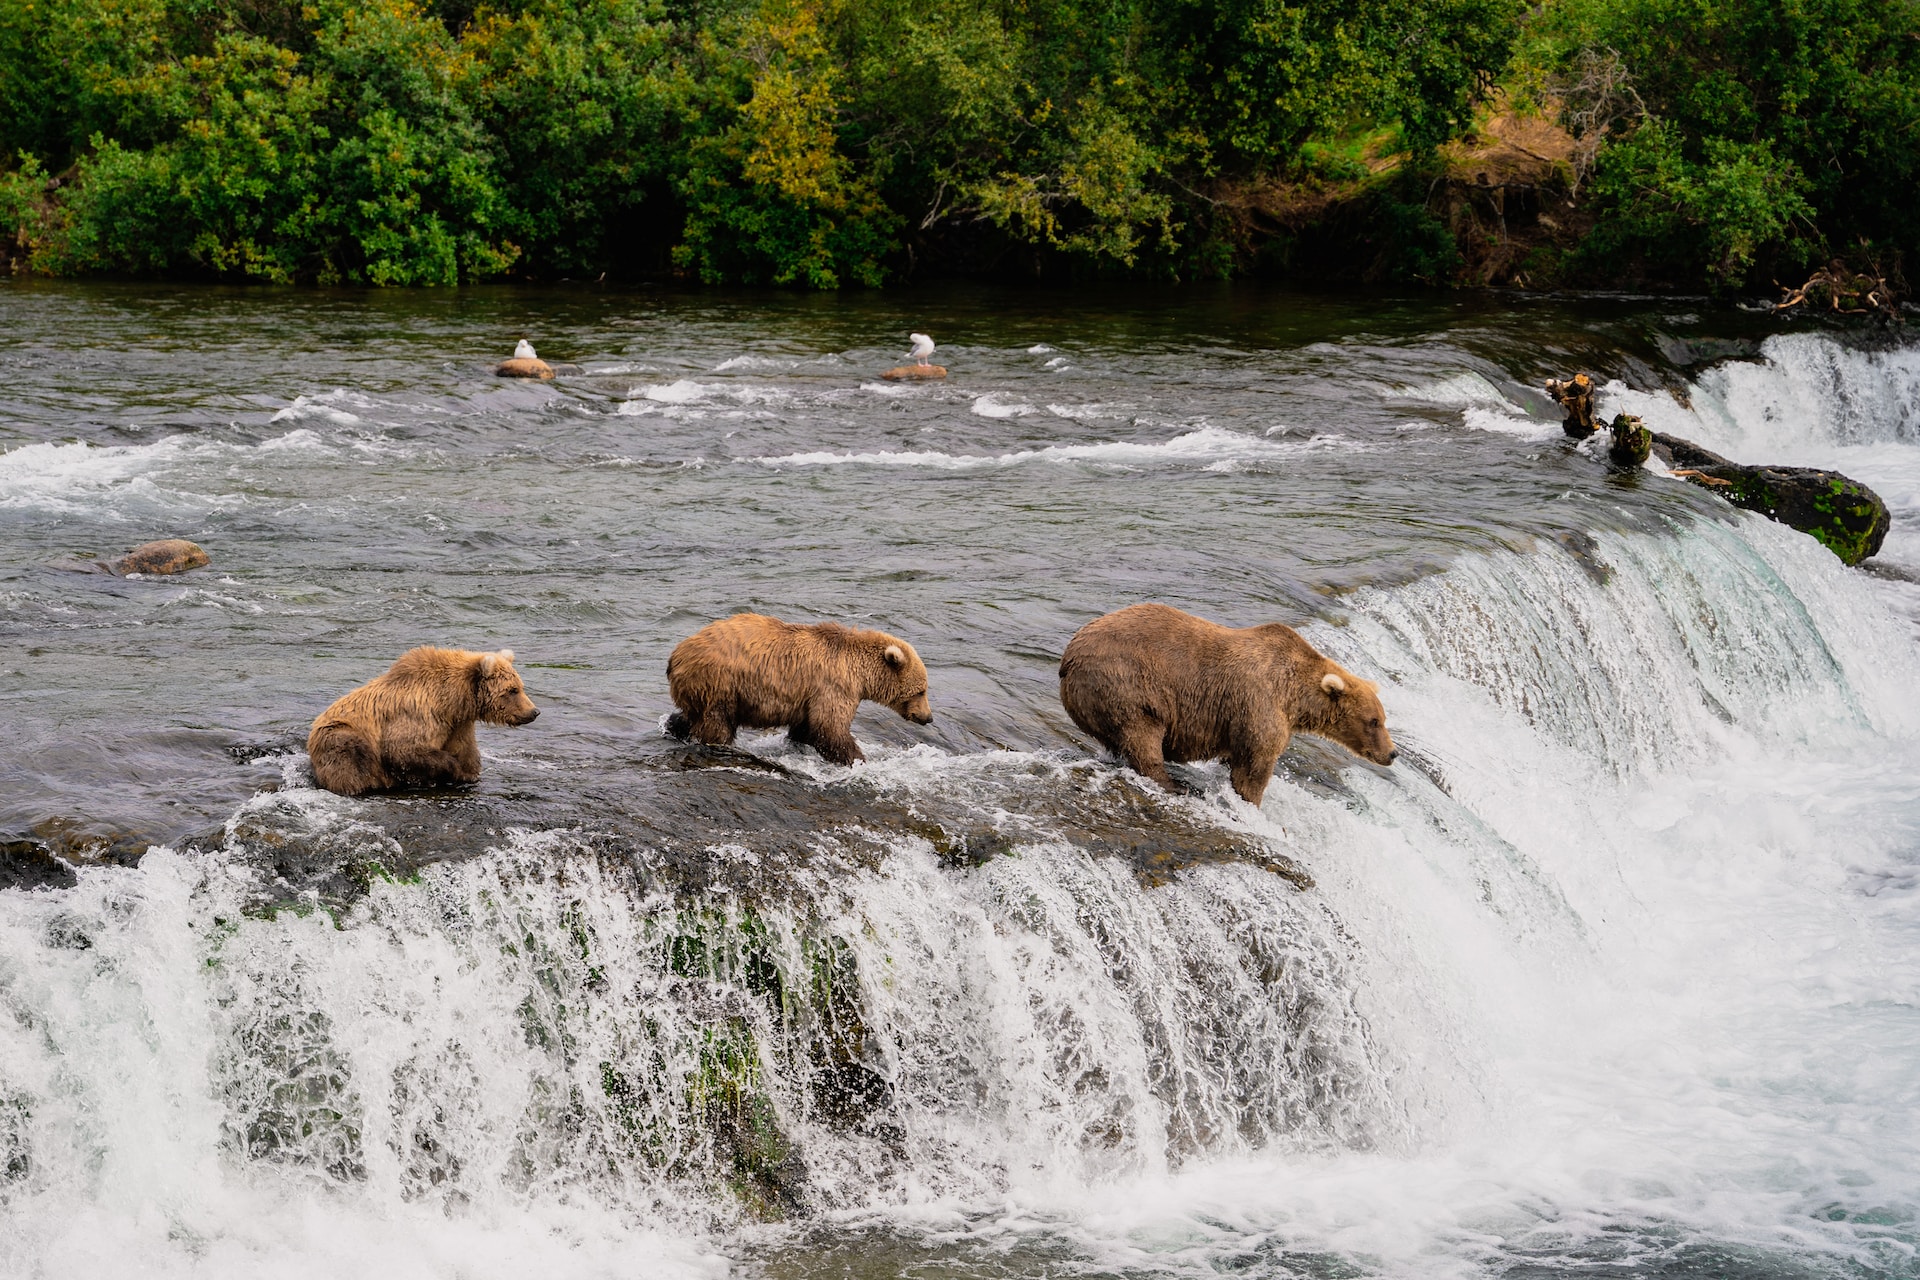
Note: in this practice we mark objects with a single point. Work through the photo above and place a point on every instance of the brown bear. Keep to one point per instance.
(1155, 684)
(413, 726)
(754, 672)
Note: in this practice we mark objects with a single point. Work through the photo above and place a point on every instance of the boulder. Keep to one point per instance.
(169, 555)
(914, 372)
(1848, 518)
(524, 367)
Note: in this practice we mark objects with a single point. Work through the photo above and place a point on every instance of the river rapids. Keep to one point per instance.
(1615, 974)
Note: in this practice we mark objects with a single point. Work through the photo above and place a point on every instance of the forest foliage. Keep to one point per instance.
(824, 143)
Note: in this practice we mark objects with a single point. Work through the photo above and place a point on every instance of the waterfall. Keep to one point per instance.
(1616, 960)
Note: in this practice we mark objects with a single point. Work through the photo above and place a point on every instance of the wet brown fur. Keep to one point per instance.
(755, 672)
(1155, 685)
(413, 726)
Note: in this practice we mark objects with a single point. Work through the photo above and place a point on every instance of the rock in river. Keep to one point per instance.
(1848, 518)
(169, 555)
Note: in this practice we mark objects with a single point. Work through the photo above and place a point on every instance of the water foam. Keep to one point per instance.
(1201, 444)
(326, 407)
(991, 406)
(1462, 390)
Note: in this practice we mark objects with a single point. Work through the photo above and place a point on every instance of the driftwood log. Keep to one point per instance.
(1838, 289)
(1848, 518)
(1575, 395)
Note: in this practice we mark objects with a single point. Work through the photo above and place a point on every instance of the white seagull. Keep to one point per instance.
(922, 347)
(524, 351)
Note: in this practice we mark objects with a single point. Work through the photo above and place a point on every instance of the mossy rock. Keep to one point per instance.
(1848, 518)
(760, 1163)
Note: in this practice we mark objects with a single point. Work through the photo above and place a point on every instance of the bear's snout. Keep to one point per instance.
(918, 710)
(533, 713)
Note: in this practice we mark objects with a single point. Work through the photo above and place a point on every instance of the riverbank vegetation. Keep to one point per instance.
(822, 143)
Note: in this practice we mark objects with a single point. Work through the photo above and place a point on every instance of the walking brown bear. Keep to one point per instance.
(1155, 684)
(755, 672)
(413, 726)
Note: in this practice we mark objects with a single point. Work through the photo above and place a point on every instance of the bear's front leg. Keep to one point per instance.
(829, 730)
(413, 749)
(1251, 774)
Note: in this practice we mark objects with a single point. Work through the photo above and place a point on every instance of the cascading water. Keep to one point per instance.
(1613, 974)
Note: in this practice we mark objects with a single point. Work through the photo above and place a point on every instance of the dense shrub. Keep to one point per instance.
(824, 143)
(1768, 132)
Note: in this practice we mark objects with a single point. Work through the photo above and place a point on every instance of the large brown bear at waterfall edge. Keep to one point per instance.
(754, 672)
(413, 726)
(1155, 684)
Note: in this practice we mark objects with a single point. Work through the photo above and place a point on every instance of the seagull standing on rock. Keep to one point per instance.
(524, 351)
(922, 348)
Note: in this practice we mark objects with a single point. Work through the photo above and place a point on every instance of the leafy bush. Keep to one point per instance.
(1774, 133)
(817, 143)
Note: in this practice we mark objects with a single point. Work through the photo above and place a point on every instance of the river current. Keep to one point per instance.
(1616, 973)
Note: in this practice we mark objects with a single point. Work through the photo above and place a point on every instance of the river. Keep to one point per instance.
(1615, 973)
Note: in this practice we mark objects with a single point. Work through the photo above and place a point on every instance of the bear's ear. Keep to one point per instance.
(895, 657)
(1333, 684)
(506, 655)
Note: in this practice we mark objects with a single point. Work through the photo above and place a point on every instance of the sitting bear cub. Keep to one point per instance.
(755, 672)
(1155, 684)
(413, 726)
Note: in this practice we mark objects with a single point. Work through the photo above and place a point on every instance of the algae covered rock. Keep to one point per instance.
(169, 555)
(1848, 518)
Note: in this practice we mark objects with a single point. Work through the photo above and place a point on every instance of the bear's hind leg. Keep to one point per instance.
(1141, 746)
(345, 763)
(713, 728)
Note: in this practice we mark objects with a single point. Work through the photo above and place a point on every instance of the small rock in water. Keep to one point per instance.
(169, 555)
(524, 367)
(908, 372)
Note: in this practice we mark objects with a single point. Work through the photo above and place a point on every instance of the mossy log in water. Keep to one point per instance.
(1848, 518)
(1632, 443)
